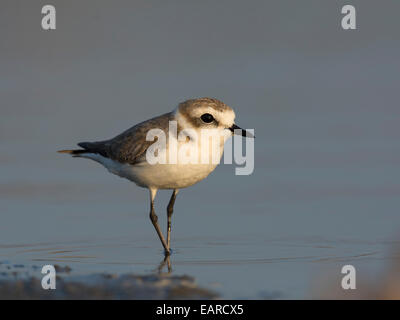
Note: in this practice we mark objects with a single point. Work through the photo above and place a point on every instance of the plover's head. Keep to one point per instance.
(208, 113)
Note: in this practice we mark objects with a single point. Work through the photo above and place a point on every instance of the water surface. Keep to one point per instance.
(323, 103)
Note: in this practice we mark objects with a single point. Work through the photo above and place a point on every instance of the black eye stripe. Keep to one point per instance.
(207, 118)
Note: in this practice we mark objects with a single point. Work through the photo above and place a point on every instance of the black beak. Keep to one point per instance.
(239, 131)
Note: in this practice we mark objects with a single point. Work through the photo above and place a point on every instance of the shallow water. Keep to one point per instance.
(324, 105)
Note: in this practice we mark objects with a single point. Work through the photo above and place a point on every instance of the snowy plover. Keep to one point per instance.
(127, 155)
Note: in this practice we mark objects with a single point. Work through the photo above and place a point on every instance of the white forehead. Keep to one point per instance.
(224, 117)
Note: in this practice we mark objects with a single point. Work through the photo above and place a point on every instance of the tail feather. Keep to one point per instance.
(73, 152)
(87, 147)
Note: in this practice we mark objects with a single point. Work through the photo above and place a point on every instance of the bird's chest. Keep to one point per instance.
(186, 164)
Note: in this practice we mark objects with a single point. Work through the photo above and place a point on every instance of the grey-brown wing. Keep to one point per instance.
(131, 145)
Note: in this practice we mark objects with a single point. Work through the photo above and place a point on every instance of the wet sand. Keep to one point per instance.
(17, 282)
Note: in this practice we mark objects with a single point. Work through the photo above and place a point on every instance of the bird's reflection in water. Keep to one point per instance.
(165, 262)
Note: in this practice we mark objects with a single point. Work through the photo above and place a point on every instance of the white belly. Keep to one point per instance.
(159, 176)
(169, 176)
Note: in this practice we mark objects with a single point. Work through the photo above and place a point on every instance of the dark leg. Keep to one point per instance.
(154, 219)
(170, 210)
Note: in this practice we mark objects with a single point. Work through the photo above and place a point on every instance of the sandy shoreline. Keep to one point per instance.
(18, 282)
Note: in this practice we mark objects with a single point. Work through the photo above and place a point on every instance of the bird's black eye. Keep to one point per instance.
(207, 118)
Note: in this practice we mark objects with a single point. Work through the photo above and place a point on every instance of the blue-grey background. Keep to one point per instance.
(323, 102)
